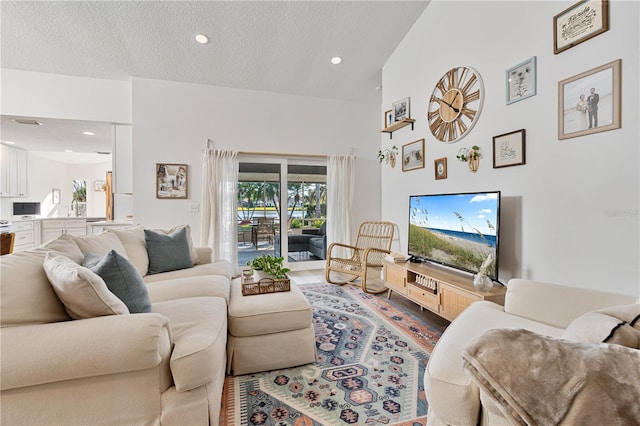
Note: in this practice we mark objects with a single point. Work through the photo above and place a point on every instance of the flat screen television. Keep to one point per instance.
(456, 230)
(26, 209)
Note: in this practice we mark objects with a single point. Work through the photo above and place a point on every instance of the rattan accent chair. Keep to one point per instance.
(364, 259)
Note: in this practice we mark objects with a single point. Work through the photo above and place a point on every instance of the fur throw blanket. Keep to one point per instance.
(538, 380)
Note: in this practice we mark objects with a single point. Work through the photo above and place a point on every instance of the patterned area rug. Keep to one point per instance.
(371, 356)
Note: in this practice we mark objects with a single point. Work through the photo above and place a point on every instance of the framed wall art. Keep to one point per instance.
(402, 109)
(55, 196)
(99, 186)
(440, 166)
(509, 149)
(413, 155)
(578, 23)
(590, 101)
(521, 81)
(388, 118)
(171, 181)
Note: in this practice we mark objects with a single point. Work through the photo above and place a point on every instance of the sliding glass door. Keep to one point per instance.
(282, 205)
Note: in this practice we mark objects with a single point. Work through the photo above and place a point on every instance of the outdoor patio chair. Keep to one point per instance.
(265, 228)
(364, 259)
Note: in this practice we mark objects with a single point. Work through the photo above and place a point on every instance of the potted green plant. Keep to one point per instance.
(271, 265)
(389, 154)
(471, 156)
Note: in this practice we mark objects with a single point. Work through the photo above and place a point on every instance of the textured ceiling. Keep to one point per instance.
(275, 46)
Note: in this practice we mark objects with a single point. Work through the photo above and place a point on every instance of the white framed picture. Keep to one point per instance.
(521, 81)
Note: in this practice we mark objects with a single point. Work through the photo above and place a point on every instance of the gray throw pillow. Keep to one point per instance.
(122, 279)
(167, 252)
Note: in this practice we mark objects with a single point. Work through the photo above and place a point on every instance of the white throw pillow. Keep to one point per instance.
(100, 244)
(83, 293)
(598, 327)
(132, 238)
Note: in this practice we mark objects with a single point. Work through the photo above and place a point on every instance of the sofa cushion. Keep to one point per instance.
(447, 387)
(83, 293)
(121, 278)
(199, 333)
(26, 295)
(100, 244)
(269, 313)
(132, 238)
(220, 267)
(196, 286)
(167, 252)
(192, 251)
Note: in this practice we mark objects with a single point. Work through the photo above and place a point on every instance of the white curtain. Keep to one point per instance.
(340, 183)
(219, 200)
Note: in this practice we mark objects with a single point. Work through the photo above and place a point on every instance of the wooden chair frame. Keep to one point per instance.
(372, 245)
(7, 239)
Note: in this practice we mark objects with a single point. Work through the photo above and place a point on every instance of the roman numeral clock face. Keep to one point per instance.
(455, 104)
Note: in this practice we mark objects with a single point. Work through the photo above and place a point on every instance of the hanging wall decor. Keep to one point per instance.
(171, 181)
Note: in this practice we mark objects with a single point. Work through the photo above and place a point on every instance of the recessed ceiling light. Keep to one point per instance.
(68, 150)
(202, 39)
(88, 133)
(336, 60)
(9, 143)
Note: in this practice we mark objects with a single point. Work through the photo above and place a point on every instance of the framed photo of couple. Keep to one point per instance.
(589, 102)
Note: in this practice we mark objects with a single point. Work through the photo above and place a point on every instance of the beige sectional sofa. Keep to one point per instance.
(166, 366)
(546, 309)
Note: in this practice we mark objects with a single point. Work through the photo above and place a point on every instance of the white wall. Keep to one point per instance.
(172, 122)
(35, 94)
(571, 214)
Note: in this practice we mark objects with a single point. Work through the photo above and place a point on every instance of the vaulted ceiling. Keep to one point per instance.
(275, 46)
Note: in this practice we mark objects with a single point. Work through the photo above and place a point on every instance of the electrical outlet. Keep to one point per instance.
(194, 208)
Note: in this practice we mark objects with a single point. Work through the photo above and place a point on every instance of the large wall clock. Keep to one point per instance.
(455, 104)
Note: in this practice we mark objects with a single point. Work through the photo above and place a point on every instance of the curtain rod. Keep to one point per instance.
(210, 145)
(280, 154)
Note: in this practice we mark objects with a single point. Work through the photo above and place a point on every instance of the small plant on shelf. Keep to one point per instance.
(271, 265)
(388, 154)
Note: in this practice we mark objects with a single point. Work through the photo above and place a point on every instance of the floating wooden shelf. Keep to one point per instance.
(398, 125)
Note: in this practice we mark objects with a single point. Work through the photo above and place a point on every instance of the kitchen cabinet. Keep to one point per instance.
(53, 228)
(13, 172)
(27, 235)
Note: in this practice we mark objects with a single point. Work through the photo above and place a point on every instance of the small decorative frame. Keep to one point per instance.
(509, 149)
(388, 118)
(99, 186)
(55, 196)
(440, 166)
(578, 23)
(171, 181)
(401, 109)
(413, 155)
(521, 81)
(590, 101)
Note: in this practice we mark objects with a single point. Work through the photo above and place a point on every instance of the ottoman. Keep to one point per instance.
(268, 331)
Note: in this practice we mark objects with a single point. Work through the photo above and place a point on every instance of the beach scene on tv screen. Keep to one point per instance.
(458, 230)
